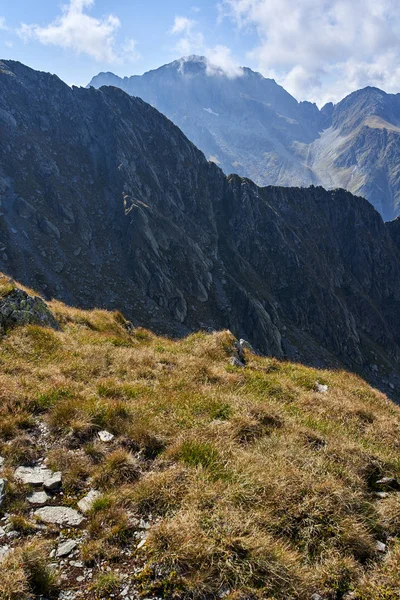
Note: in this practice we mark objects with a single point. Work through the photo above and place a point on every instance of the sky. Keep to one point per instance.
(319, 50)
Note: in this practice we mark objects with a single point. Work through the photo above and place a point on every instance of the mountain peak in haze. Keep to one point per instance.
(251, 126)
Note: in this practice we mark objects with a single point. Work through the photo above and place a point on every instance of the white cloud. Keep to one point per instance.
(192, 42)
(3, 26)
(182, 25)
(322, 49)
(76, 30)
(8, 44)
(129, 50)
(220, 57)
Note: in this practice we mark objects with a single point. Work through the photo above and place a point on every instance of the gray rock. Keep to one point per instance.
(86, 503)
(4, 550)
(321, 388)
(3, 488)
(389, 482)
(67, 595)
(66, 548)
(38, 498)
(316, 597)
(35, 476)
(106, 436)
(245, 345)
(380, 547)
(77, 564)
(59, 515)
(54, 482)
(1, 461)
(19, 308)
(381, 495)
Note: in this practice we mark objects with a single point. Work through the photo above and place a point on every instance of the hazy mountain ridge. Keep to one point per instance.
(252, 126)
(106, 203)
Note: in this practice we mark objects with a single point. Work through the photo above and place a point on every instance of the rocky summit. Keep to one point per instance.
(105, 203)
(250, 125)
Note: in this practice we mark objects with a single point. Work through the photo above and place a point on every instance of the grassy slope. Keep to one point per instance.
(257, 485)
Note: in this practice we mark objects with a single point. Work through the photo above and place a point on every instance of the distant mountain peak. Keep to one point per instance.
(263, 133)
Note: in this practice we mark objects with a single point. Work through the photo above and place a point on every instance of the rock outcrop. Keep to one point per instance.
(106, 203)
(19, 308)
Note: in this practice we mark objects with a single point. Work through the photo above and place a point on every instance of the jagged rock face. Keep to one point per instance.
(106, 203)
(251, 126)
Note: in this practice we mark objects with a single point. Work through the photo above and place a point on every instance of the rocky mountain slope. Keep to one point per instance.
(104, 202)
(251, 126)
(134, 466)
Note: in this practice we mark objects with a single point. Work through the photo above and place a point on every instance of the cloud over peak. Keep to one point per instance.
(82, 33)
(321, 49)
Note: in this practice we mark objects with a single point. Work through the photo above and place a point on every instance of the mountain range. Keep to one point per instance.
(251, 126)
(106, 203)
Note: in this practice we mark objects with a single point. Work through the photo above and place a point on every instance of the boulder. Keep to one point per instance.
(38, 498)
(54, 482)
(19, 308)
(59, 515)
(32, 475)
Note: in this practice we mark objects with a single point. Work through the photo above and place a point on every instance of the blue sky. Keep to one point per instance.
(319, 50)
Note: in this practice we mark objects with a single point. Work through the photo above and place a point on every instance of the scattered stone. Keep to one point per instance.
(2, 532)
(125, 591)
(381, 495)
(389, 482)
(106, 436)
(54, 482)
(38, 498)
(141, 544)
(380, 547)
(4, 550)
(66, 548)
(86, 503)
(80, 579)
(321, 388)
(235, 362)
(3, 488)
(59, 515)
(33, 475)
(12, 535)
(374, 368)
(76, 563)
(391, 386)
(316, 597)
(67, 595)
(1, 461)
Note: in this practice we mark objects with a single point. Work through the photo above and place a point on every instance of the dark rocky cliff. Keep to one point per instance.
(104, 202)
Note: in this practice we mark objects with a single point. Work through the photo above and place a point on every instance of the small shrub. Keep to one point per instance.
(106, 584)
(118, 468)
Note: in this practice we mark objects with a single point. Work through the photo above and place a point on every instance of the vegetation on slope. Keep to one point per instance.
(251, 483)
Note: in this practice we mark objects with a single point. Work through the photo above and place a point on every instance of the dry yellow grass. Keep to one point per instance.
(258, 486)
